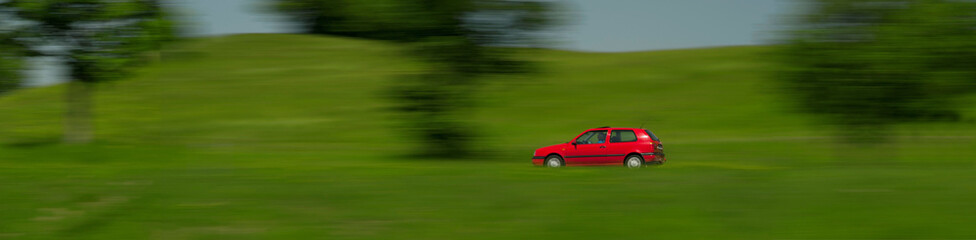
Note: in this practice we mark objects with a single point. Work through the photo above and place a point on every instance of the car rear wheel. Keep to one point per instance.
(554, 161)
(634, 161)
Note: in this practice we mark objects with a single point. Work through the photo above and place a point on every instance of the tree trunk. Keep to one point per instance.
(78, 113)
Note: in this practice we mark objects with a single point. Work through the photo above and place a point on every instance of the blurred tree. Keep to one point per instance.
(315, 16)
(868, 64)
(10, 64)
(372, 19)
(98, 40)
(462, 40)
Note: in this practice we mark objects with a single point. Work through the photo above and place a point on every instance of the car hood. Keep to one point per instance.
(551, 149)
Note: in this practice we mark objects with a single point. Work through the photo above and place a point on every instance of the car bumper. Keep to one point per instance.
(537, 160)
(654, 157)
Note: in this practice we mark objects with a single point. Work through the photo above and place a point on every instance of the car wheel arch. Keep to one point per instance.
(561, 158)
(634, 154)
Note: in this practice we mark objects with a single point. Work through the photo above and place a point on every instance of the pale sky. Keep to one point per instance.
(598, 25)
(595, 25)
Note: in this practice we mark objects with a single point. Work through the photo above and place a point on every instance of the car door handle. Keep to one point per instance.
(603, 146)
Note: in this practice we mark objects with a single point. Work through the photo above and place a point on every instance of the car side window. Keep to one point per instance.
(592, 137)
(622, 136)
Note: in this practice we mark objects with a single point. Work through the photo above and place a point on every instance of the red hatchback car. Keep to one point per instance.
(631, 147)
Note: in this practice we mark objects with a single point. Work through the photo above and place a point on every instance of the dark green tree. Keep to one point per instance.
(372, 19)
(865, 65)
(317, 16)
(10, 65)
(98, 40)
(463, 41)
(11, 62)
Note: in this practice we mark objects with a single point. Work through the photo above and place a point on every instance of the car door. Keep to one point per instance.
(588, 148)
(620, 144)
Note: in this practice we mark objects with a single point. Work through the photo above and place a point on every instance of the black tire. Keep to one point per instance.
(554, 161)
(634, 161)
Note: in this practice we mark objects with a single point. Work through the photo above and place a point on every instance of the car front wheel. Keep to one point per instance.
(554, 161)
(634, 161)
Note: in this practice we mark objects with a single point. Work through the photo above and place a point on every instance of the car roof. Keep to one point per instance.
(614, 128)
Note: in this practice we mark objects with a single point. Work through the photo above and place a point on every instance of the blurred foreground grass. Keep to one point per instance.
(288, 136)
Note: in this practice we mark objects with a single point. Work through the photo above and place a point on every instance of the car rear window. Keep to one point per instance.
(649, 133)
(622, 136)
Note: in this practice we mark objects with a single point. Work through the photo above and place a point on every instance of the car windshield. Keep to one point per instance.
(649, 133)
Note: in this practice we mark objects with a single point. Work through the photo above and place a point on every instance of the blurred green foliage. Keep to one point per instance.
(415, 20)
(374, 19)
(98, 40)
(10, 64)
(865, 65)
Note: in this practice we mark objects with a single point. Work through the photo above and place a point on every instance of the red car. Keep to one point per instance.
(631, 147)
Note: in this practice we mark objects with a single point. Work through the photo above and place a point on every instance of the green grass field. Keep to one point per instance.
(291, 137)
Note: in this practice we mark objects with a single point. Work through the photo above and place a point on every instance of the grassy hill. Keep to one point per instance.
(288, 136)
